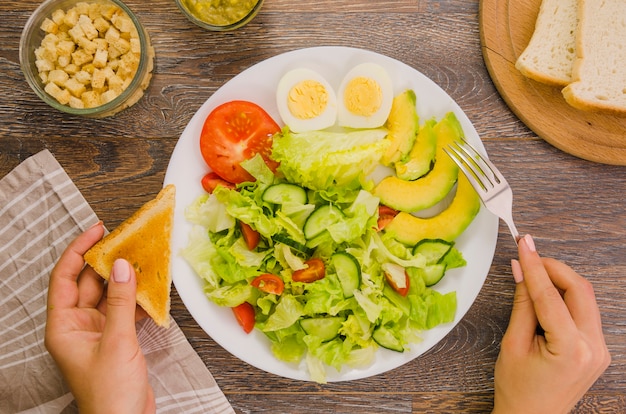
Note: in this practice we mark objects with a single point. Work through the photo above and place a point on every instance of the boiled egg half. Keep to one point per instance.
(306, 101)
(364, 97)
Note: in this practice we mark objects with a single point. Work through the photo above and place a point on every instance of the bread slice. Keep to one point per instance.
(144, 241)
(549, 56)
(599, 71)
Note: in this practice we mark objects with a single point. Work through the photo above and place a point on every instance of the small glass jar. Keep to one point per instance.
(220, 15)
(32, 36)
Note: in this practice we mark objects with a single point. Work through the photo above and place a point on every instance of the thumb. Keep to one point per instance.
(121, 302)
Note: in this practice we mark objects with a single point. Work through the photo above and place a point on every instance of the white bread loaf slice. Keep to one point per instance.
(549, 56)
(599, 71)
(144, 241)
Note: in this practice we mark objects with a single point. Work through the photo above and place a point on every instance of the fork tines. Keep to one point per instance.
(479, 170)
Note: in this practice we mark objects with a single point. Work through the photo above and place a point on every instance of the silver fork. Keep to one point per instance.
(488, 182)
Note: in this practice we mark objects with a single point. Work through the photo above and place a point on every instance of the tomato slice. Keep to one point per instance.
(250, 235)
(234, 132)
(211, 180)
(269, 283)
(398, 278)
(245, 316)
(314, 271)
(385, 215)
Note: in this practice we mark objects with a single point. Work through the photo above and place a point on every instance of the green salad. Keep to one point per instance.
(372, 291)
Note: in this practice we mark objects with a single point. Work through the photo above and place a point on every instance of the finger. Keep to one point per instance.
(90, 288)
(523, 321)
(121, 303)
(551, 311)
(63, 291)
(140, 314)
(578, 295)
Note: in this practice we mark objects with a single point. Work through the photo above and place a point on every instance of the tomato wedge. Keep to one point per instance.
(397, 277)
(245, 316)
(314, 271)
(234, 132)
(250, 235)
(269, 283)
(211, 180)
(385, 215)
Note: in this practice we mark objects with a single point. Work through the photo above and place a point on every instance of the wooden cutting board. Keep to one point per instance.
(506, 27)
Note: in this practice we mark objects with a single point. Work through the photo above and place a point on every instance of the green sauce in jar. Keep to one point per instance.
(220, 12)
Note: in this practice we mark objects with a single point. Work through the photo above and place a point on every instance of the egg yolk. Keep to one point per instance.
(363, 96)
(307, 99)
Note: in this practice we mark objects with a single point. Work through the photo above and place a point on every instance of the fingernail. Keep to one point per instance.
(121, 271)
(96, 224)
(516, 268)
(530, 243)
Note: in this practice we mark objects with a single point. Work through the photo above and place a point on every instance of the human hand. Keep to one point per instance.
(549, 372)
(91, 334)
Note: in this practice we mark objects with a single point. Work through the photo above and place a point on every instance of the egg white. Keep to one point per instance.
(328, 114)
(377, 74)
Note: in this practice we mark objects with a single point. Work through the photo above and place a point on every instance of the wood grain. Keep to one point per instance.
(506, 28)
(573, 207)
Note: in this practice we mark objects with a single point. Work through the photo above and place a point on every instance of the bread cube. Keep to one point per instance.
(108, 96)
(116, 84)
(83, 77)
(65, 47)
(76, 102)
(71, 69)
(91, 99)
(50, 39)
(87, 26)
(98, 78)
(71, 17)
(63, 61)
(44, 65)
(49, 26)
(101, 24)
(75, 87)
(100, 58)
(58, 16)
(82, 8)
(61, 95)
(122, 22)
(112, 34)
(135, 46)
(80, 57)
(58, 76)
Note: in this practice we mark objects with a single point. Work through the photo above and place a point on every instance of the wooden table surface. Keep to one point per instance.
(574, 208)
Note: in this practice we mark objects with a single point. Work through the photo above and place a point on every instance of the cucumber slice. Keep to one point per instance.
(348, 271)
(432, 249)
(432, 274)
(324, 328)
(283, 193)
(320, 219)
(281, 238)
(384, 337)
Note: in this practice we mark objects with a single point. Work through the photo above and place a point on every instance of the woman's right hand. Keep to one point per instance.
(548, 371)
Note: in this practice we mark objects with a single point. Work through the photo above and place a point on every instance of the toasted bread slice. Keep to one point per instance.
(599, 72)
(144, 241)
(549, 56)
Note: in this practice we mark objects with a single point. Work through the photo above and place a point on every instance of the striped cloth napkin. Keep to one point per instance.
(41, 211)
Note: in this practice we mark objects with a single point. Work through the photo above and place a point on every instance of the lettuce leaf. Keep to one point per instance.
(322, 160)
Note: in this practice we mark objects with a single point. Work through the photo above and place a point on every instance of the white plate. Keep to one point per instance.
(186, 168)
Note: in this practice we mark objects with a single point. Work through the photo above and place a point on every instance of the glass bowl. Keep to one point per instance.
(220, 15)
(119, 81)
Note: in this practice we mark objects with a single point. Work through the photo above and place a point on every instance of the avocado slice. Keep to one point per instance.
(427, 191)
(402, 126)
(447, 225)
(421, 158)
